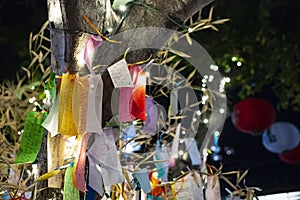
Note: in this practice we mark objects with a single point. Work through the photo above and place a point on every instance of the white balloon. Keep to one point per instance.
(280, 137)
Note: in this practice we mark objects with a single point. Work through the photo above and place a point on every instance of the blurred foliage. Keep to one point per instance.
(17, 19)
(258, 49)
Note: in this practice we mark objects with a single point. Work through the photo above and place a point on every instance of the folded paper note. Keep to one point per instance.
(104, 153)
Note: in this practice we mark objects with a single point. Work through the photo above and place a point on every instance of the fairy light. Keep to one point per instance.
(198, 112)
(194, 119)
(204, 98)
(234, 59)
(183, 132)
(180, 152)
(239, 64)
(33, 87)
(204, 80)
(32, 100)
(110, 30)
(214, 67)
(122, 8)
(203, 85)
(210, 78)
(221, 110)
(190, 30)
(205, 121)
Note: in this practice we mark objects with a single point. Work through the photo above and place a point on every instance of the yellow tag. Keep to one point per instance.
(66, 123)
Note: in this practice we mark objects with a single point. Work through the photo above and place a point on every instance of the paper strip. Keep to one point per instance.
(174, 101)
(70, 192)
(124, 104)
(120, 75)
(151, 124)
(192, 188)
(143, 179)
(94, 111)
(55, 158)
(95, 176)
(104, 152)
(79, 168)
(80, 103)
(66, 123)
(51, 121)
(31, 138)
(213, 188)
(175, 143)
(91, 45)
(139, 92)
(162, 167)
(191, 145)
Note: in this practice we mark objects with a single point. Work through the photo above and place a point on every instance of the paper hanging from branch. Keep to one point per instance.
(191, 189)
(51, 121)
(104, 153)
(66, 123)
(120, 75)
(31, 138)
(132, 102)
(79, 166)
(70, 192)
(212, 190)
(55, 158)
(80, 103)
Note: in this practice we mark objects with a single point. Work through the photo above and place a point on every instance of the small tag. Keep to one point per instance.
(191, 145)
(120, 75)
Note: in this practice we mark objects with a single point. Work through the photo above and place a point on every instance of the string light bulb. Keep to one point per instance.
(122, 8)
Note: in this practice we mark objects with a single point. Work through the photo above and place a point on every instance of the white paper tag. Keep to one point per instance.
(120, 75)
(191, 145)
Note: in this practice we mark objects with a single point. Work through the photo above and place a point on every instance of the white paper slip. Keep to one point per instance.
(120, 75)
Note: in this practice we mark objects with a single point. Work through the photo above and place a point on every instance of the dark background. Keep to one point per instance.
(266, 170)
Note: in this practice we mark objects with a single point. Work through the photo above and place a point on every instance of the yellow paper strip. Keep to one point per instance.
(66, 123)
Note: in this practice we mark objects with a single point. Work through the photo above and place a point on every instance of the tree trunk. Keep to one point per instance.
(68, 34)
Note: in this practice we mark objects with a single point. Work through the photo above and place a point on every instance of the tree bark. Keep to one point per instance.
(68, 26)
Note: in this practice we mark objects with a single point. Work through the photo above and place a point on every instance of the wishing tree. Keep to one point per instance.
(123, 114)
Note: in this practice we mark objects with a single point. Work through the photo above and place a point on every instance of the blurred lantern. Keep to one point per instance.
(253, 115)
(292, 156)
(280, 137)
